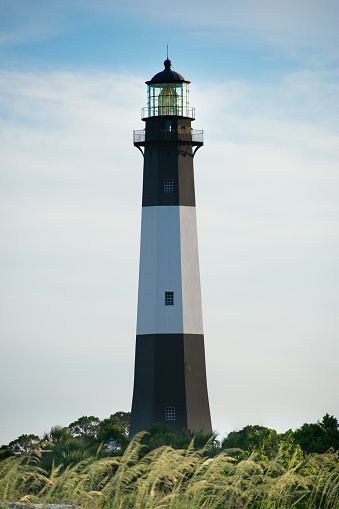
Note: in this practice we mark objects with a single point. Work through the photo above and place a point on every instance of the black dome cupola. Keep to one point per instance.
(167, 75)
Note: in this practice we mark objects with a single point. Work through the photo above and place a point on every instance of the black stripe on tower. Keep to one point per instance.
(168, 163)
(170, 372)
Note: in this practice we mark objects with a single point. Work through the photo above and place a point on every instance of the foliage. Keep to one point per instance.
(318, 437)
(58, 435)
(5, 452)
(66, 446)
(84, 426)
(92, 463)
(123, 419)
(65, 454)
(167, 478)
(265, 441)
(25, 443)
(159, 435)
(111, 433)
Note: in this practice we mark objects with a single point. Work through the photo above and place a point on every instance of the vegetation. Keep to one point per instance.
(318, 437)
(92, 464)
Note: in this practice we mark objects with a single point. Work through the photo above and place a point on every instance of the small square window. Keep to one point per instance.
(168, 185)
(170, 413)
(168, 125)
(169, 298)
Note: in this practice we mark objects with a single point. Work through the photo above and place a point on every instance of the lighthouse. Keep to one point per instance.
(170, 384)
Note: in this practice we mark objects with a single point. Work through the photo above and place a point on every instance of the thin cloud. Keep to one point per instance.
(289, 24)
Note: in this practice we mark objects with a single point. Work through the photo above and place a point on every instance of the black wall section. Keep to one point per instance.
(198, 409)
(170, 372)
(166, 158)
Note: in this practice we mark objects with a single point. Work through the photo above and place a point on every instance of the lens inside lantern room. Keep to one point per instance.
(167, 99)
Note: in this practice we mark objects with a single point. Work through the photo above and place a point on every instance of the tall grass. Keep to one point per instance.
(176, 479)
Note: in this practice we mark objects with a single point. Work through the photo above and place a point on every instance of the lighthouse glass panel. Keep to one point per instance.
(168, 99)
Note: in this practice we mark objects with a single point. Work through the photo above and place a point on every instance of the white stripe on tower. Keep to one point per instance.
(169, 262)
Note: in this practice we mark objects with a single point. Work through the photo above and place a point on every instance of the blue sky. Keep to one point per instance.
(265, 87)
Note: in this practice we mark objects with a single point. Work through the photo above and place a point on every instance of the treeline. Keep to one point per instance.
(88, 435)
(75, 442)
(92, 464)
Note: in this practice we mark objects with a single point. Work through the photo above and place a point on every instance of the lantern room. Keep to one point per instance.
(167, 95)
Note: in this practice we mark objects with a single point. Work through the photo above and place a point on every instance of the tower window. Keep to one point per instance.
(168, 185)
(170, 413)
(168, 125)
(169, 298)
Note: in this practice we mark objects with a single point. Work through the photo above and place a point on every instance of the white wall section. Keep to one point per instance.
(190, 274)
(169, 262)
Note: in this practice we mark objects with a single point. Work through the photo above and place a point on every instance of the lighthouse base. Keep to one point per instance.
(170, 383)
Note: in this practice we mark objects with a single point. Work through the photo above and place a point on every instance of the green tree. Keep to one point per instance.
(85, 426)
(251, 438)
(157, 436)
(266, 441)
(111, 433)
(25, 444)
(5, 452)
(318, 437)
(124, 419)
(58, 434)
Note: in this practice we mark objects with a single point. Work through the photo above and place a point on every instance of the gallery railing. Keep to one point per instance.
(187, 136)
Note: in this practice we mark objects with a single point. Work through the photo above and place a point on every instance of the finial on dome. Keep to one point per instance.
(167, 64)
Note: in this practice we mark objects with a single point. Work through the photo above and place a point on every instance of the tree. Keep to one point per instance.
(85, 426)
(24, 444)
(5, 452)
(265, 441)
(112, 434)
(58, 434)
(318, 437)
(124, 419)
(157, 436)
(250, 438)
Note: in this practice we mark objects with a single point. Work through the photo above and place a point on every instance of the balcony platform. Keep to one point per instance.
(193, 137)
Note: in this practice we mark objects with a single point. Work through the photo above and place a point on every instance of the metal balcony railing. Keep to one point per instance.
(157, 111)
(139, 136)
(193, 136)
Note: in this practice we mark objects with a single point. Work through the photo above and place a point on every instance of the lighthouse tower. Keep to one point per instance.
(170, 374)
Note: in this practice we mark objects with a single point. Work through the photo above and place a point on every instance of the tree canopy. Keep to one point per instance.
(85, 426)
(318, 437)
(89, 435)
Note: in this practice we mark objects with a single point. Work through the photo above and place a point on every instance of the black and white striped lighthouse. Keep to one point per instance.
(170, 375)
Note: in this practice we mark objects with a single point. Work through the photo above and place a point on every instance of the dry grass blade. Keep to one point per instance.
(20, 477)
(167, 478)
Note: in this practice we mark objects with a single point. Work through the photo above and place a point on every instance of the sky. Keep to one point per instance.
(264, 83)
